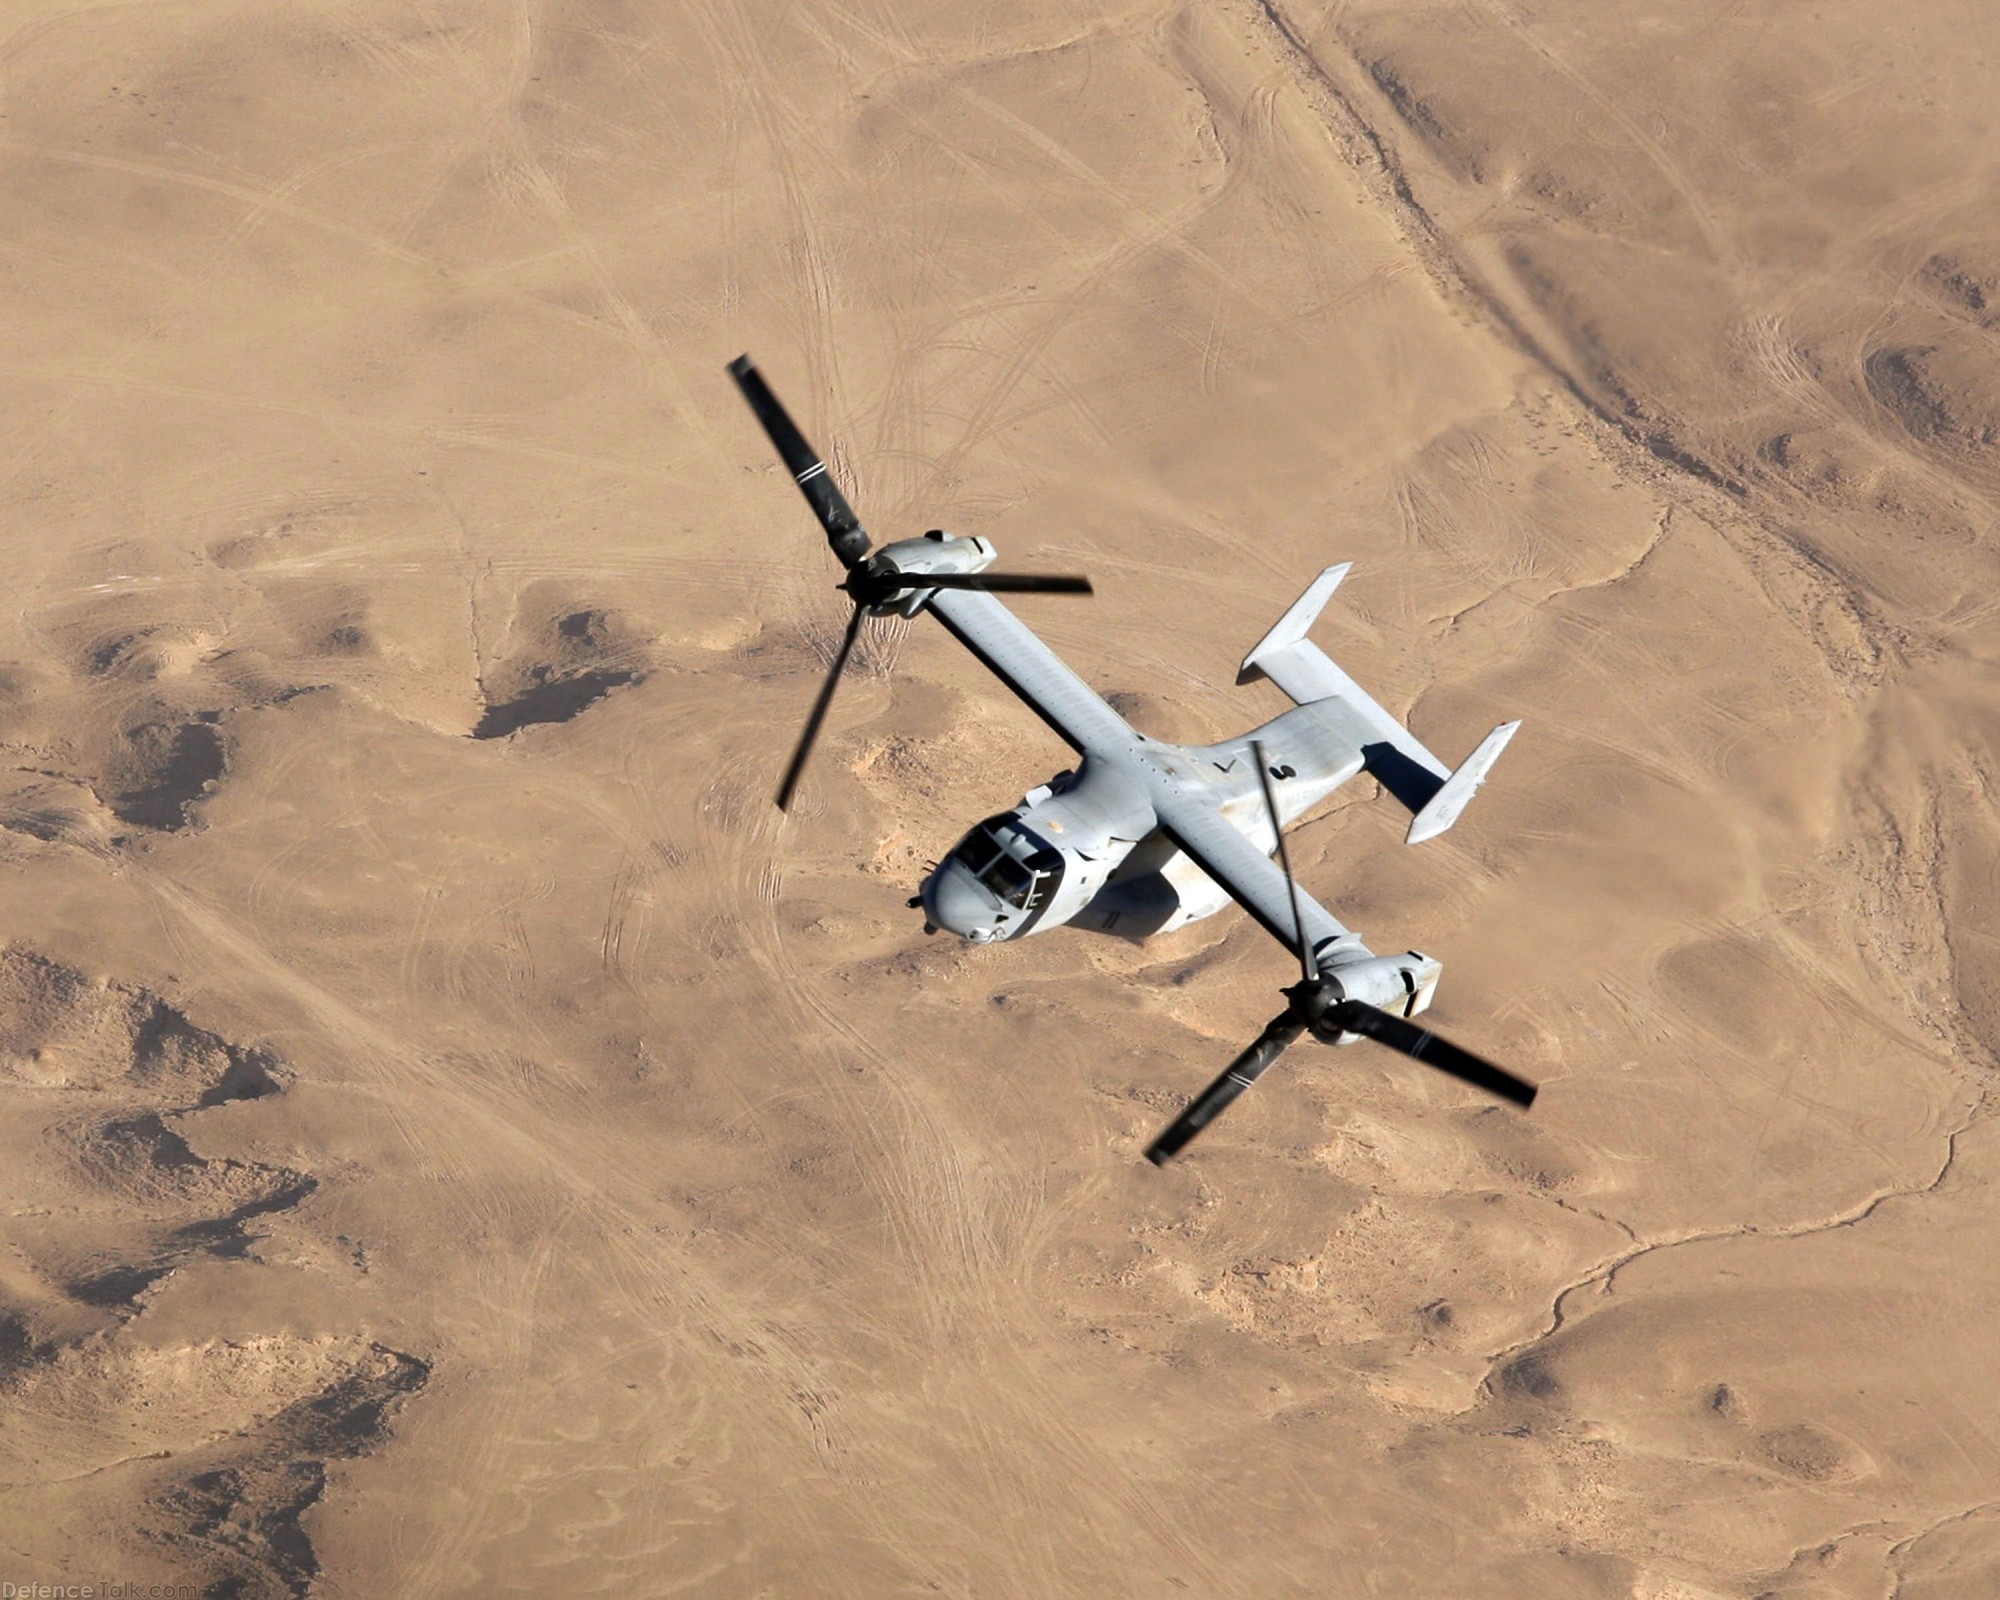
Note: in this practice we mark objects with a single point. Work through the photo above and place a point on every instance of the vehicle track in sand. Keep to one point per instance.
(470, 1123)
(746, 1257)
(1716, 238)
(1786, 565)
(601, 1186)
(963, 1230)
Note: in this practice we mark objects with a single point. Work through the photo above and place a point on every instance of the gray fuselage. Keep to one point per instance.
(1086, 850)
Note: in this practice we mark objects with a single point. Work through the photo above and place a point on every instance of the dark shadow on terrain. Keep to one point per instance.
(165, 1037)
(550, 699)
(248, 1077)
(179, 764)
(226, 1236)
(146, 1138)
(18, 1349)
(249, 1510)
(117, 1288)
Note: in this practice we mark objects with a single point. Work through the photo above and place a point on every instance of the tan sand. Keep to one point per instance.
(456, 1139)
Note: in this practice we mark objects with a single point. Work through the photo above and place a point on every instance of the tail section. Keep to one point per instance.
(1433, 792)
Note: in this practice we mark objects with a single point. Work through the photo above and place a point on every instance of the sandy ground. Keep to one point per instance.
(456, 1139)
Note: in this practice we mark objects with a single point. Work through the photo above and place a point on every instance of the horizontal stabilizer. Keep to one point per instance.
(1288, 658)
(1395, 757)
(1442, 809)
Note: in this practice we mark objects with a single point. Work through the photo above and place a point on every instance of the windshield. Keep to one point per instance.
(1008, 879)
(977, 850)
(984, 853)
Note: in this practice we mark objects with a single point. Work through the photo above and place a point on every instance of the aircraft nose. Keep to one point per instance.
(959, 903)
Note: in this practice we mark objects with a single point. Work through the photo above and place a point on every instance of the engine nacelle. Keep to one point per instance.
(1402, 985)
(937, 551)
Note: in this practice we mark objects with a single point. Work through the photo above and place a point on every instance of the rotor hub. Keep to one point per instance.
(1311, 1001)
(874, 585)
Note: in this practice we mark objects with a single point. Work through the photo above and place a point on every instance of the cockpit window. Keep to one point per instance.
(1007, 878)
(984, 852)
(977, 850)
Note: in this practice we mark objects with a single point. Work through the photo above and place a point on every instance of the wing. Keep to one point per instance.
(1012, 653)
(1251, 878)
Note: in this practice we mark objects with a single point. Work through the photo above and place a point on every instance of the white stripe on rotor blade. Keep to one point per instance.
(812, 471)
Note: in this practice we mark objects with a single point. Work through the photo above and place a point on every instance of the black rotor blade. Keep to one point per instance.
(1420, 1044)
(843, 529)
(1306, 968)
(818, 716)
(1245, 1070)
(1001, 582)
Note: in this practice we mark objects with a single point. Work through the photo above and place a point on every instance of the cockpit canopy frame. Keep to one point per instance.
(1019, 867)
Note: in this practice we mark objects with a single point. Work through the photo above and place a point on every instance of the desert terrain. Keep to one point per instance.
(456, 1138)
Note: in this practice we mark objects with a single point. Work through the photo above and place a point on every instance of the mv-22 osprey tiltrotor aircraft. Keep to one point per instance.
(1146, 837)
